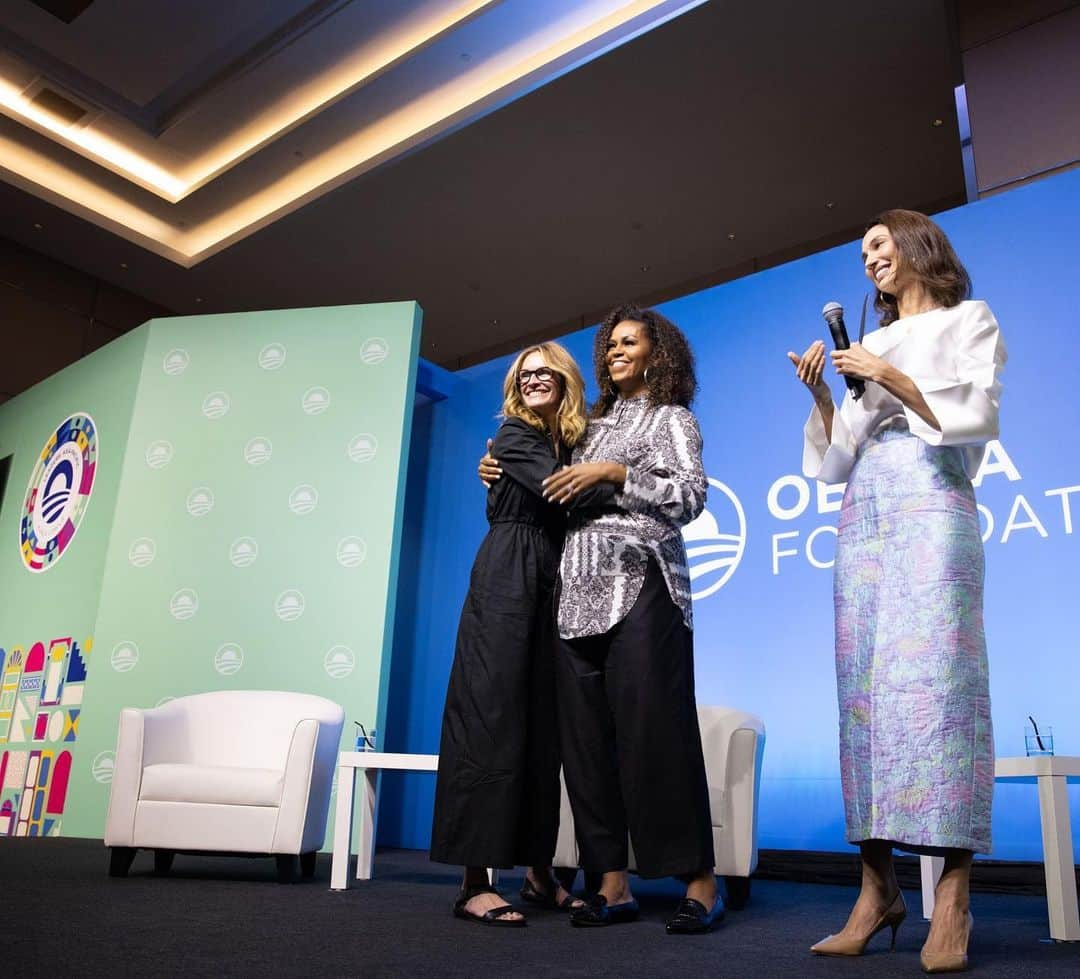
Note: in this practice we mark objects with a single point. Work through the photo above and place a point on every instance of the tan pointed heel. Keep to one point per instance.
(891, 917)
(934, 962)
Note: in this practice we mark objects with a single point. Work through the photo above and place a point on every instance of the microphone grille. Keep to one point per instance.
(832, 309)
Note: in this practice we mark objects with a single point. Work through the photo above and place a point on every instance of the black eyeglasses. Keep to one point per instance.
(540, 374)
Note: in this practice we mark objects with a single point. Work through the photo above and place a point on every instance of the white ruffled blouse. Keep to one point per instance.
(954, 356)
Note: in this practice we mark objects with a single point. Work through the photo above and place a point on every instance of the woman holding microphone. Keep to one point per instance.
(916, 745)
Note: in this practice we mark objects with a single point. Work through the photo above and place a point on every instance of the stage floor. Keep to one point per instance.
(228, 916)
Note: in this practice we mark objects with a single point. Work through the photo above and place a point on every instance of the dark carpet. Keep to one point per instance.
(227, 916)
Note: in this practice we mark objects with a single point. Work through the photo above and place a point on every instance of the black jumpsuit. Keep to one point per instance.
(497, 793)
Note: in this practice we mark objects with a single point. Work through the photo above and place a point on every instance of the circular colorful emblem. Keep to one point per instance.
(58, 492)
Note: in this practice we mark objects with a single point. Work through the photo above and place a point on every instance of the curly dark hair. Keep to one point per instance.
(672, 380)
(923, 248)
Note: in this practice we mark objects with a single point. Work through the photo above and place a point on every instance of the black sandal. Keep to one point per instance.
(531, 894)
(495, 917)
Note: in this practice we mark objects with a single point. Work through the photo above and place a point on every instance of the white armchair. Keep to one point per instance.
(733, 743)
(246, 771)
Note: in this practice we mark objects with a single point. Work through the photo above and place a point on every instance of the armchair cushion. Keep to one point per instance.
(211, 785)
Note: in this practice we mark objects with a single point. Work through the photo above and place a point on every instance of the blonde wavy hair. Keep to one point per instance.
(570, 421)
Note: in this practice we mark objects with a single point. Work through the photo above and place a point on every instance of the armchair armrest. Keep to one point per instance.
(305, 797)
(127, 779)
(737, 854)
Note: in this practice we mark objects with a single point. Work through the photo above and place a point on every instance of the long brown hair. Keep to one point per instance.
(570, 421)
(925, 251)
(671, 377)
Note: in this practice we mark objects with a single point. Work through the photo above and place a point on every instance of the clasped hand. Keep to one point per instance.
(564, 485)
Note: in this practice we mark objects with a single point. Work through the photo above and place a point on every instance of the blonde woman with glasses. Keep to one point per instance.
(497, 794)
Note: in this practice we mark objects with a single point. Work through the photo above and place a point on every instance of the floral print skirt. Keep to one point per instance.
(916, 744)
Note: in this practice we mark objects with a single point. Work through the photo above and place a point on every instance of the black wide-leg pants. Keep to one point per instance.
(497, 790)
(631, 743)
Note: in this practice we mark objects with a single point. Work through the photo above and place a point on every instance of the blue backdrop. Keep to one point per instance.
(762, 554)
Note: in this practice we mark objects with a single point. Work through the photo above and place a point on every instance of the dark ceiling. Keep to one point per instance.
(731, 138)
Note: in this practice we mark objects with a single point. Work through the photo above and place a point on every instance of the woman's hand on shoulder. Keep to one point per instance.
(809, 369)
(488, 469)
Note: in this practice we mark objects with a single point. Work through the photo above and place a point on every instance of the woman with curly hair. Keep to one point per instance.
(916, 746)
(632, 754)
(497, 793)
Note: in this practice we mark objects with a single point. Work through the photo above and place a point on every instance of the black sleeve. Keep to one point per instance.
(525, 456)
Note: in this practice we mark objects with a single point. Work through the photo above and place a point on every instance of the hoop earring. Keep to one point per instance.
(645, 377)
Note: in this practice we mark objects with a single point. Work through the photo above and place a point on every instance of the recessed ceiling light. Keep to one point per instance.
(644, 268)
(938, 122)
(123, 265)
(495, 322)
(830, 204)
(37, 227)
(198, 299)
(731, 237)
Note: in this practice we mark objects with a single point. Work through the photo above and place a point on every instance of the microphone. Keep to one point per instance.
(834, 316)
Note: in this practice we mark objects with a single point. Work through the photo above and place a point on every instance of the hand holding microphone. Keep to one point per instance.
(834, 317)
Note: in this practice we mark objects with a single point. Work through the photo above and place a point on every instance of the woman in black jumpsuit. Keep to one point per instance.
(497, 793)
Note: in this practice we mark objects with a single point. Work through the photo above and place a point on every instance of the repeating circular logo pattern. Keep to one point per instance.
(714, 555)
(159, 454)
(124, 657)
(362, 447)
(303, 499)
(339, 662)
(184, 604)
(351, 552)
(228, 659)
(258, 451)
(101, 768)
(289, 605)
(58, 492)
(374, 351)
(243, 551)
(315, 401)
(176, 361)
(216, 405)
(272, 356)
(142, 552)
(200, 501)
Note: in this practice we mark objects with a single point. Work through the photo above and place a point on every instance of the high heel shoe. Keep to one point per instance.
(948, 961)
(891, 917)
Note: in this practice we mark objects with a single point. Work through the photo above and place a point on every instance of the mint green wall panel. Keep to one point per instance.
(244, 528)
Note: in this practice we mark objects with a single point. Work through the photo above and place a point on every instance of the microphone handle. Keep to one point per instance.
(840, 341)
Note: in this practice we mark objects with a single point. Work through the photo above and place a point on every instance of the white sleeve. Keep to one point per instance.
(828, 461)
(966, 406)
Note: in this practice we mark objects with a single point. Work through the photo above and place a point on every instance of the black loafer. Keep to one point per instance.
(596, 912)
(693, 918)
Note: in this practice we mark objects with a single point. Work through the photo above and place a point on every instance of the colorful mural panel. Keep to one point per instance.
(40, 694)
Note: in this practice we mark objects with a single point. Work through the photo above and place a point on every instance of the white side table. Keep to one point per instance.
(1052, 774)
(372, 763)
